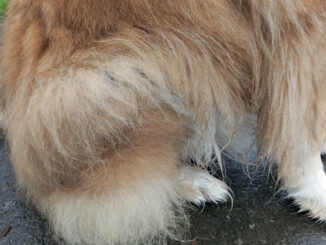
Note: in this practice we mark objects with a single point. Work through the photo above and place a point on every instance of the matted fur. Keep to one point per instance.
(105, 100)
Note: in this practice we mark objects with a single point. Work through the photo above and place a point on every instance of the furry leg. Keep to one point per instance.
(306, 183)
(291, 115)
(97, 158)
(132, 198)
(136, 204)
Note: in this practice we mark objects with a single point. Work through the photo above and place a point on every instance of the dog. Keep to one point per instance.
(106, 102)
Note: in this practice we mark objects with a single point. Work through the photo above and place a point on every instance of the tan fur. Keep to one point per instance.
(105, 100)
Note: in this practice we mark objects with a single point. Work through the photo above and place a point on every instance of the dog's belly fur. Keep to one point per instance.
(105, 102)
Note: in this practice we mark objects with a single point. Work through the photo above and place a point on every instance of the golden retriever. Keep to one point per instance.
(105, 102)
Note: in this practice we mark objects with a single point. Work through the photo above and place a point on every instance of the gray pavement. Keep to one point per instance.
(258, 216)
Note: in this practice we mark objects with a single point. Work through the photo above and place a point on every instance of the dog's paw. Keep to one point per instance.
(311, 197)
(198, 186)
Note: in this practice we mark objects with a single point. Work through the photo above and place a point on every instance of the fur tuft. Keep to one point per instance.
(146, 214)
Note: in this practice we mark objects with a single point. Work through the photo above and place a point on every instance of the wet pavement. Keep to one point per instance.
(258, 216)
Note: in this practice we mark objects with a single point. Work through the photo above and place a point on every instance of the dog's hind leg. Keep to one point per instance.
(198, 186)
(97, 158)
(133, 197)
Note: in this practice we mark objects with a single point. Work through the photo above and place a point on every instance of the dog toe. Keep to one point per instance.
(198, 186)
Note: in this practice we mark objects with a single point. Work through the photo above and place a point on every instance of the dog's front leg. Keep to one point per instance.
(305, 181)
(291, 111)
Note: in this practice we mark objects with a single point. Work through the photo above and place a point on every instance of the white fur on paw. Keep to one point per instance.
(311, 196)
(323, 150)
(198, 186)
(307, 185)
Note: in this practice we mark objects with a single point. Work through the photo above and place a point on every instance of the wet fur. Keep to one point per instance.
(105, 100)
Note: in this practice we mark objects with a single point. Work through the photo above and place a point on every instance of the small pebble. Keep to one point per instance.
(239, 241)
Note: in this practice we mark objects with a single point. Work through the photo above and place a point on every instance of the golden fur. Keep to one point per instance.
(104, 101)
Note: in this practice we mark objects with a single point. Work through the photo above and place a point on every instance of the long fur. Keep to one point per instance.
(104, 100)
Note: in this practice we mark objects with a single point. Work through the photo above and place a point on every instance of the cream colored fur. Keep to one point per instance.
(137, 215)
(105, 102)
